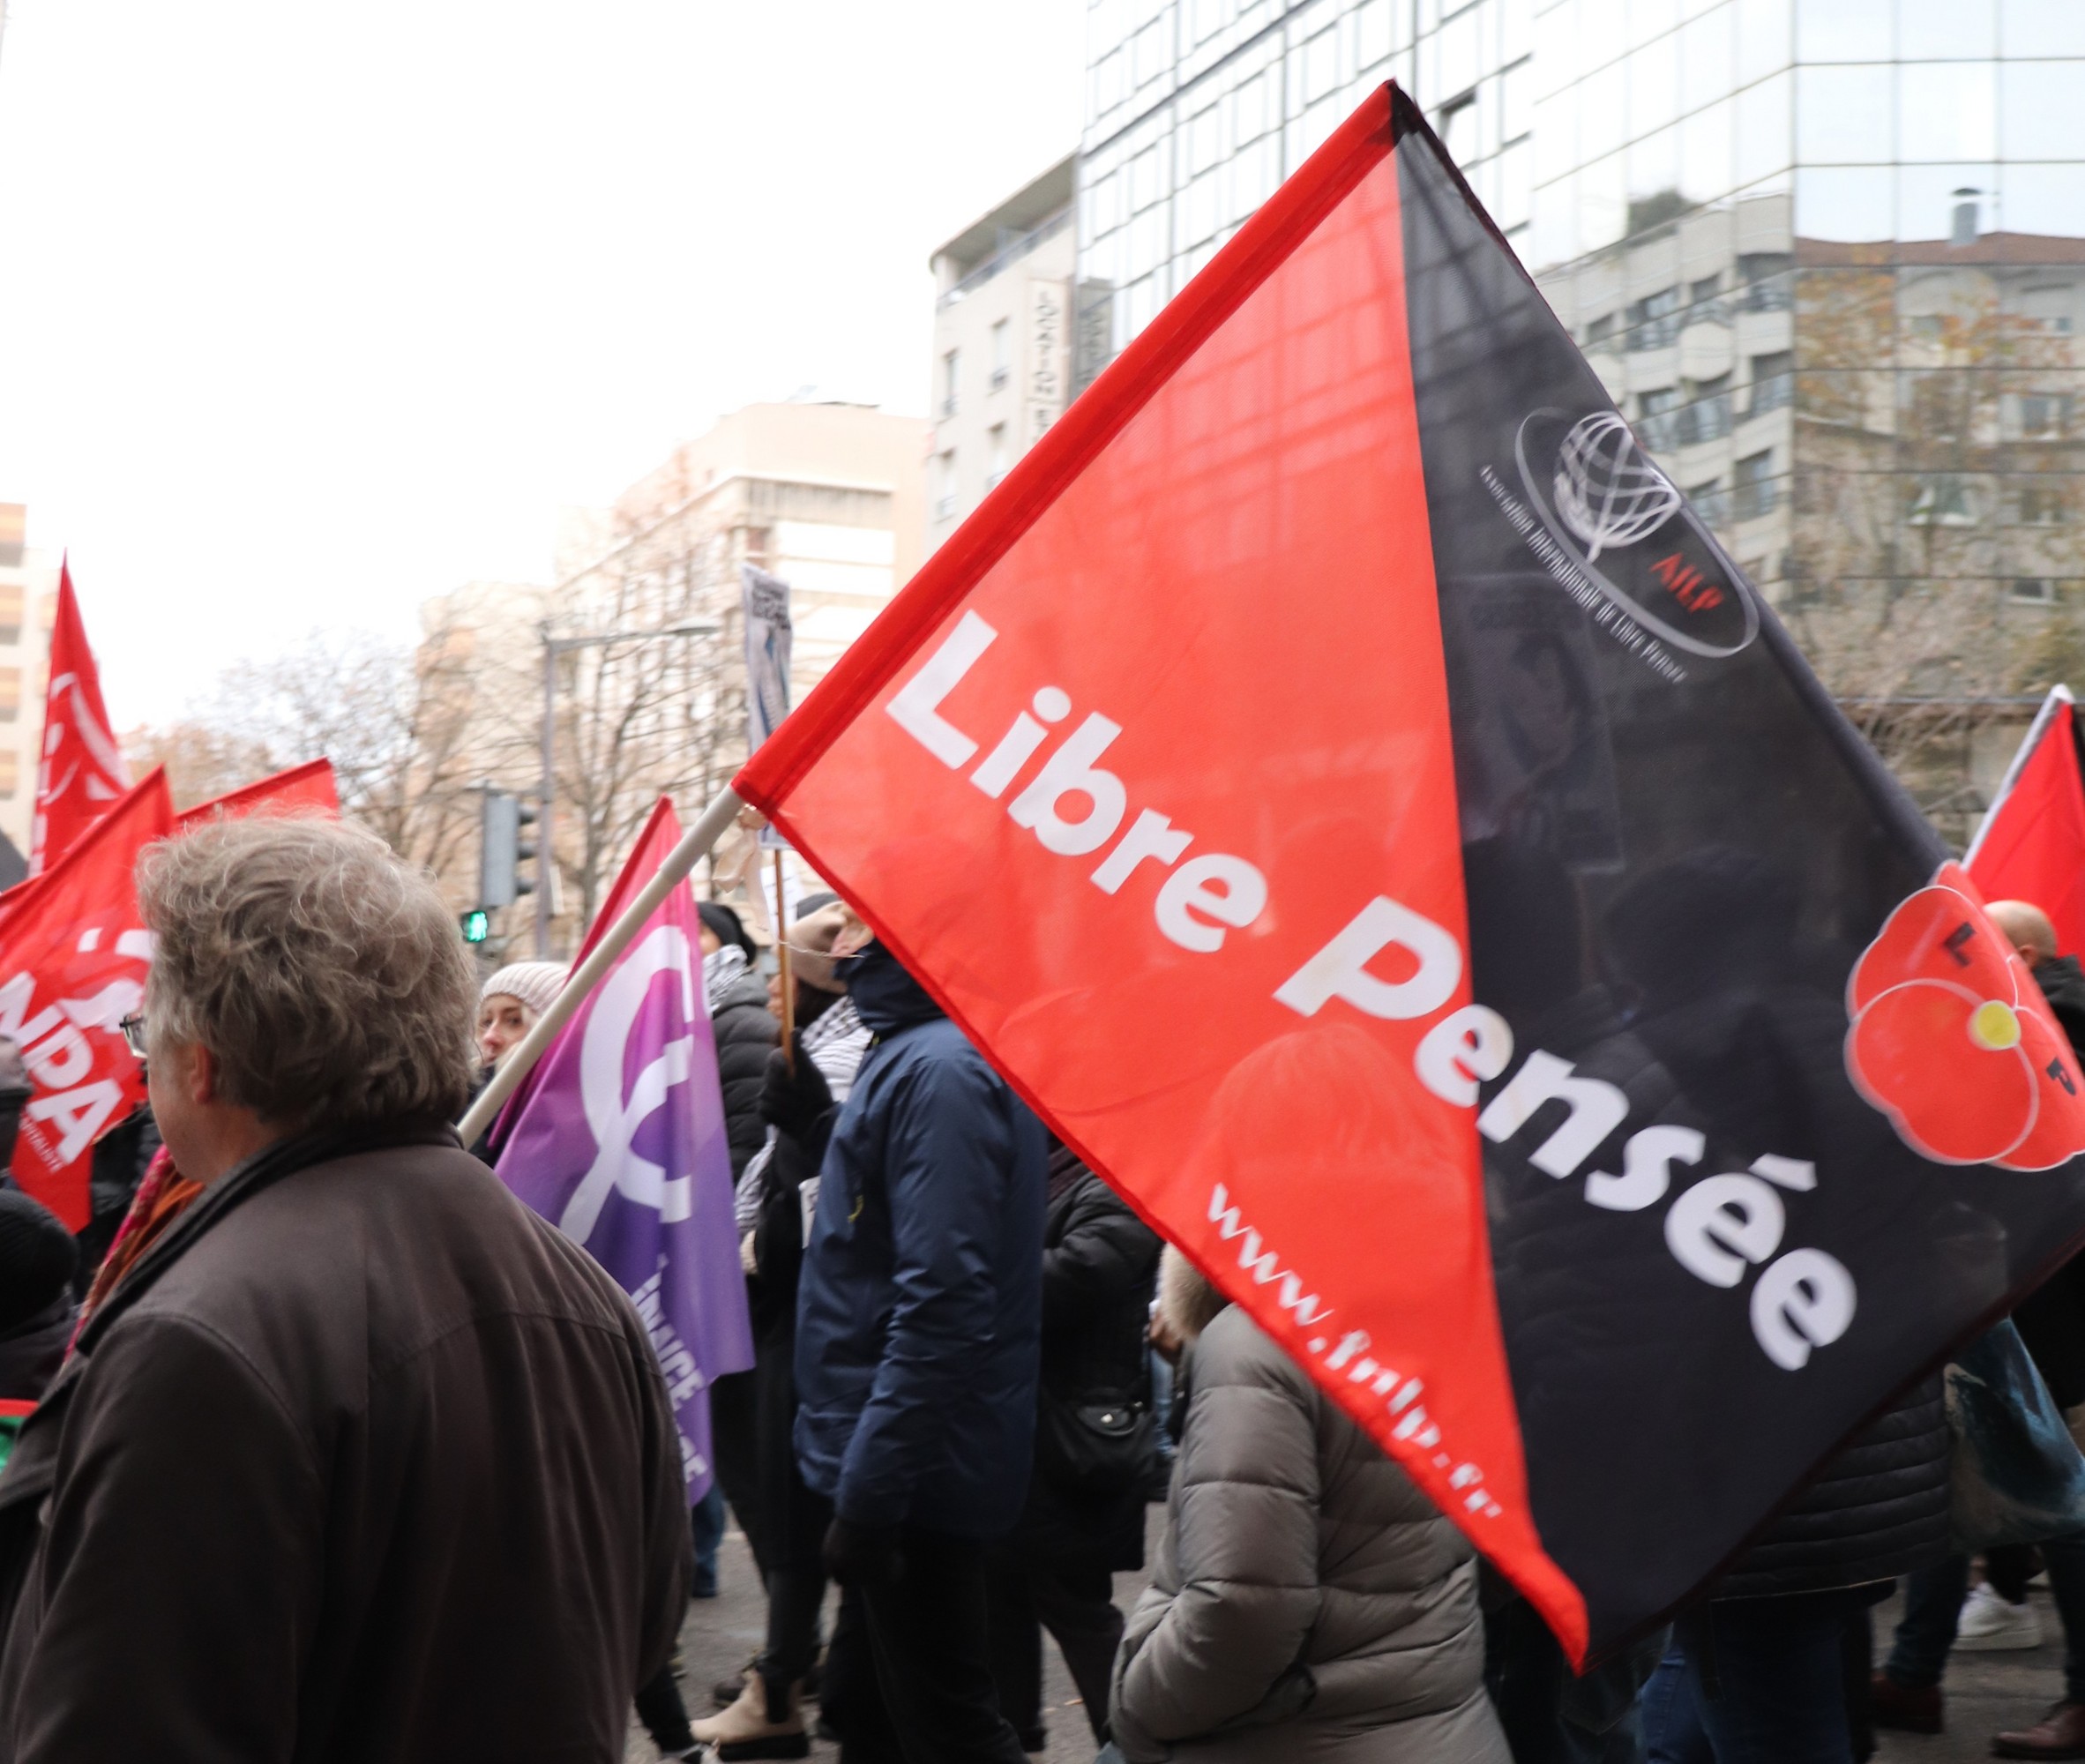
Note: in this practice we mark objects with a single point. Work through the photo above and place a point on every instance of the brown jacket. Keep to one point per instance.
(361, 1460)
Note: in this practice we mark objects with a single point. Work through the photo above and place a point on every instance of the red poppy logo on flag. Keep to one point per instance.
(1952, 1040)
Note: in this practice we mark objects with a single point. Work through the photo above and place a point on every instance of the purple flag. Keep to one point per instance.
(619, 1141)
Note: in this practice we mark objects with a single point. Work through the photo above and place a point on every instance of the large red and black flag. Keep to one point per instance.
(1341, 785)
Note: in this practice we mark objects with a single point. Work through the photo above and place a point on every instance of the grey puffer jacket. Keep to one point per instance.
(1308, 1603)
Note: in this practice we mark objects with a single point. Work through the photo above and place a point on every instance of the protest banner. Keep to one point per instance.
(1342, 784)
(81, 773)
(2031, 845)
(72, 965)
(620, 1143)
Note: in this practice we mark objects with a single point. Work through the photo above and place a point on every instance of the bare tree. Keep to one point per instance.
(393, 720)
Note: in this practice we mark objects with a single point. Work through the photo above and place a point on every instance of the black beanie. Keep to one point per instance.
(37, 1257)
(725, 926)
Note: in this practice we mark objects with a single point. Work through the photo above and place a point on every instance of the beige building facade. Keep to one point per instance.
(1002, 343)
(828, 497)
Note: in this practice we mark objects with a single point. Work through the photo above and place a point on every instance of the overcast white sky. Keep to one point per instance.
(310, 311)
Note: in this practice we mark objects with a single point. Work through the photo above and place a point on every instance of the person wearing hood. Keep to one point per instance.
(1309, 1602)
(918, 1336)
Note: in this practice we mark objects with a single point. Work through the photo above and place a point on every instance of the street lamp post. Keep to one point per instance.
(553, 648)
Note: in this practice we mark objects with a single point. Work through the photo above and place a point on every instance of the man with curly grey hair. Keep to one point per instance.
(360, 1459)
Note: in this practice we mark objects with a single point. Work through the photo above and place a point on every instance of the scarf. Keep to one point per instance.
(720, 971)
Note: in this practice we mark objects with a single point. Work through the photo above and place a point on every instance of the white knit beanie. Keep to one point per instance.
(533, 983)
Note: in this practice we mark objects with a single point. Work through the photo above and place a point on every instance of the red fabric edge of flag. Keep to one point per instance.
(1124, 387)
(258, 791)
(2055, 705)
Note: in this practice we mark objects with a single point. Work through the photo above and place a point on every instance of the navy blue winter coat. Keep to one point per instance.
(919, 1310)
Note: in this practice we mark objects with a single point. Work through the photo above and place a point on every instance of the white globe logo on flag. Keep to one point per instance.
(1608, 491)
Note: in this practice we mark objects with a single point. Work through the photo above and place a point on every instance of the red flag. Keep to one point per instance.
(2031, 846)
(303, 790)
(82, 773)
(72, 964)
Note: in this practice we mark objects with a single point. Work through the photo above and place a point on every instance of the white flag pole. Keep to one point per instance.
(694, 847)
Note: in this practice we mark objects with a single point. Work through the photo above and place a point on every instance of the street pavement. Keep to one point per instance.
(1985, 1691)
(722, 1635)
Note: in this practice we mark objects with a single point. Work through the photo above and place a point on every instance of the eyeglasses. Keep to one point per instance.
(133, 1029)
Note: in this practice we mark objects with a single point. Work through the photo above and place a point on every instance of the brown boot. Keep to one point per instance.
(750, 1729)
(1909, 1711)
(2058, 1734)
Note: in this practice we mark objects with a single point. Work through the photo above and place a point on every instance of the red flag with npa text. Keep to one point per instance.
(1348, 792)
(82, 772)
(72, 965)
(2031, 844)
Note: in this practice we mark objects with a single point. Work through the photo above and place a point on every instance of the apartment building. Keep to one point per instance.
(1002, 343)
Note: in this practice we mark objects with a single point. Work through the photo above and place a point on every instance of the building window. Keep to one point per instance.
(1773, 381)
(2040, 505)
(1942, 500)
(944, 503)
(2032, 591)
(1458, 127)
(1002, 352)
(1707, 500)
(951, 371)
(995, 435)
(1600, 330)
(1756, 488)
(2045, 416)
(1654, 321)
(1658, 401)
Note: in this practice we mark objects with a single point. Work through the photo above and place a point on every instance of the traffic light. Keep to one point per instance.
(477, 925)
(502, 851)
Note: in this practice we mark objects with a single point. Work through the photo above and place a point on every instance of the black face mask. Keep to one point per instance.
(13, 1099)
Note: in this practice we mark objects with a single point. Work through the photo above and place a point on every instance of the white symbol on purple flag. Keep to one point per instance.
(621, 1143)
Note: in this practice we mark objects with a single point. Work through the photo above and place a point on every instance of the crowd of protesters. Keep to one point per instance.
(335, 1451)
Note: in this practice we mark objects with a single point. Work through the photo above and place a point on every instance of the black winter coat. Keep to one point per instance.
(1099, 1263)
(746, 1032)
(1878, 1509)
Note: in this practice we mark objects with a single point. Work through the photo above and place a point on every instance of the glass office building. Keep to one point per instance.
(1827, 254)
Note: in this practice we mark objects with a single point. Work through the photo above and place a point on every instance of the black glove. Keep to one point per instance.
(861, 1555)
(795, 1102)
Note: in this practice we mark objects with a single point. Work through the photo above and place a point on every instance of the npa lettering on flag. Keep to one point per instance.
(82, 772)
(72, 965)
(620, 1144)
(2031, 845)
(1344, 788)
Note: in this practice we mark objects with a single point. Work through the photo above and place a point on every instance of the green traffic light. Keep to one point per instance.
(477, 925)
